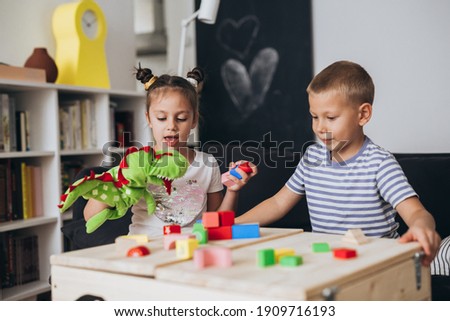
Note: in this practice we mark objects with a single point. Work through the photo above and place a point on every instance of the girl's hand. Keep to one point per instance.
(239, 183)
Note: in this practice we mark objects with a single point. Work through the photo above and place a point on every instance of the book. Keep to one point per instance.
(12, 123)
(27, 130)
(17, 199)
(5, 123)
(86, 123)
(124, 127)
(75, 111)
(21, 131)
(30, 191)
(37, 191)
(3, 191)
(25, 192)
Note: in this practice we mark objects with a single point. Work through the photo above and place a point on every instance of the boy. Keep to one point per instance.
(349, 182)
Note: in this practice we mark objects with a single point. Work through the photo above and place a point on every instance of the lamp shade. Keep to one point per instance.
(208, 11)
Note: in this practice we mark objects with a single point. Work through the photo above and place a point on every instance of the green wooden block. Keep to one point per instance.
(291, 260)
(266, 257)
(198, 227)
(201, 235)
(321, 247)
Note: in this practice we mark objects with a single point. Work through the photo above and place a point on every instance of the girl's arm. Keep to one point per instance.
(92, 208)
(218, 202)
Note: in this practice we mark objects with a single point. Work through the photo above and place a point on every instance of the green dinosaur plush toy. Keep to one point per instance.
(124, 185)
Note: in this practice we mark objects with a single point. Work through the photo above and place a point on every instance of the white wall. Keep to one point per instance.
(26, 24)
(405, 46)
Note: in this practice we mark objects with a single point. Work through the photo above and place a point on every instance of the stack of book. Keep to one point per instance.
(19, 259)
(78, 129)
(20, 191)
(14, 126)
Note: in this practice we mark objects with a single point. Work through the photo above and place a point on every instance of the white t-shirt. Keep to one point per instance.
(187, 201)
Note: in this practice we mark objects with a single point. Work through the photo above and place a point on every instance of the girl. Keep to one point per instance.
(172, 111)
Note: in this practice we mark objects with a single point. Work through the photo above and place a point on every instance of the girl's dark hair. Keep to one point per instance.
(190, 87)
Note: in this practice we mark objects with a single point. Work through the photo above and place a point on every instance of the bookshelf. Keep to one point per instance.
(42, 103)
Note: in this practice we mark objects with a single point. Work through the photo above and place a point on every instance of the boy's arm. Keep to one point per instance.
(422, 227)
(272, 209)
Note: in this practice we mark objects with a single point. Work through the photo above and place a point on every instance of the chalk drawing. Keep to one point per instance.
(237, 37)
(248, 90)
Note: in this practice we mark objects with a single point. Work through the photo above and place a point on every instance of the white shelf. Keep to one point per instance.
(42, 101)
(24, 292)
(31, 222)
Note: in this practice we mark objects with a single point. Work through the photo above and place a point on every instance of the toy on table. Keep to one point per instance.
(138, 251)
(245, 167)
(124, 185)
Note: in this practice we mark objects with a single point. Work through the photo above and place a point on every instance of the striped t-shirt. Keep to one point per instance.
(441, 263)
(361, 192)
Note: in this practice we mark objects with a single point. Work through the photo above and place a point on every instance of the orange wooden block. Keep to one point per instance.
(210, 219)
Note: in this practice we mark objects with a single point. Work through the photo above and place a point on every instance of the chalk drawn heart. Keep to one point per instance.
(248, 90)
(238, 36)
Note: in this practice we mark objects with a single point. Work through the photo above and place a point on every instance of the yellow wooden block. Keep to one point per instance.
(140, 238)
(283, 252)
(185, 248)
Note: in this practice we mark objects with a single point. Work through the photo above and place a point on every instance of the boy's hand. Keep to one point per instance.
(429, 240)
(243, 171)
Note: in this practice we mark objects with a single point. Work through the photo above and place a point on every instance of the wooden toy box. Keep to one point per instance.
(383, 270)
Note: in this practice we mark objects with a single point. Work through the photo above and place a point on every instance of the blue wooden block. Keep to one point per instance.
(245, 231)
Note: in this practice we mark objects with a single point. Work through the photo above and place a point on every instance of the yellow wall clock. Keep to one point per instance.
(80, 32)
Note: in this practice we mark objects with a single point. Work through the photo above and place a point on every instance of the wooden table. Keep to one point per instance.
(383, 270)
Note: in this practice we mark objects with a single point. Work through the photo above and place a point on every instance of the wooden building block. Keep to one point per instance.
(321, 247)
(279, 253)
(266, 257)
(185, 248)
(212, 256)
(291, 260)
(226, 218)
(139, 238)
(210, 219)
(355, 236)
(201, 235)
(219, 233)
(245, 231)
(198, 226)
(170, 239)
(169, 229)
(344, 253)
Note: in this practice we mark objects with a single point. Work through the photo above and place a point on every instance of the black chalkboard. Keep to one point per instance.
(258, 62)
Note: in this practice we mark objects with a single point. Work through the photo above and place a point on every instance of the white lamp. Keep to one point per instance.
(207, 13)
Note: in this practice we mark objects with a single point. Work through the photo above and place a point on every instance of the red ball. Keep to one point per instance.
(138, 251)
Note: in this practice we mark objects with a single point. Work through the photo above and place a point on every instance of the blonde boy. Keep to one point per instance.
(348, 181)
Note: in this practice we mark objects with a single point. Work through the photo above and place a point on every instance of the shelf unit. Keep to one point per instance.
(42, 100)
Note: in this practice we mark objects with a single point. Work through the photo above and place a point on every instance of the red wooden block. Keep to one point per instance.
(210, 219)
(226, 218)
(170, 229)
(344, 253)
(220, 233)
